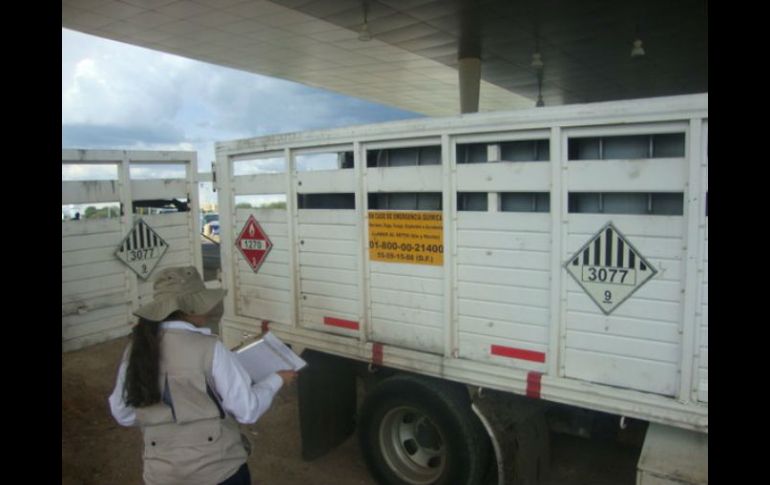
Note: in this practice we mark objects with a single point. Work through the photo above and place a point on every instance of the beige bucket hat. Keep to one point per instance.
(180, 288)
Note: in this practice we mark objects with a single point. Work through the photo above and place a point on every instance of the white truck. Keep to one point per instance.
(475, 273)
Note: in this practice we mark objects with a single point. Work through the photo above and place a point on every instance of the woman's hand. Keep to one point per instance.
(288, 376)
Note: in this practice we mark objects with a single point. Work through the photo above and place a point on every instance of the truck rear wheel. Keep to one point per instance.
(420, 431)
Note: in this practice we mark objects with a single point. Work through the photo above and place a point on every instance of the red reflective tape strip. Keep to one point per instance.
(338, 322)
(518, 353)
(265, 326)
(533, 384)
(376, 353)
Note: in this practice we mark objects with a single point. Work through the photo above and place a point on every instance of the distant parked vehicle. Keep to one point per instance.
(208, 217)
(211, 230)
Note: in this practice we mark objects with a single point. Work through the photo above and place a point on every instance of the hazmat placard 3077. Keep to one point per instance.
(411, 237)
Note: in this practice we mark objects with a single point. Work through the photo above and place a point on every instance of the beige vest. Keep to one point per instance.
(188, 442)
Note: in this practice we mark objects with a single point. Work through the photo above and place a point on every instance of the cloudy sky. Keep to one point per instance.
(118, 96)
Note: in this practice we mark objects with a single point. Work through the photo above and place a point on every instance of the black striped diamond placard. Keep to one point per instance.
(609, 268)
(142, 249)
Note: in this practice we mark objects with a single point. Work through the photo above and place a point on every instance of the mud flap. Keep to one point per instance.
(520, 436)
(327, 402)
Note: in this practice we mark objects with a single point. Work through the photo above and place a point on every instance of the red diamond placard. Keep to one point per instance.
(253, 243)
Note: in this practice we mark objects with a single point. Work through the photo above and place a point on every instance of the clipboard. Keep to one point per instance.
(266, 356)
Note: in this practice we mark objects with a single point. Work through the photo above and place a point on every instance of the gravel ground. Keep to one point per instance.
(97, 451)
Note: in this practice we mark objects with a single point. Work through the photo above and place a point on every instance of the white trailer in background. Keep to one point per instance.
(99, 291)
(478, 271)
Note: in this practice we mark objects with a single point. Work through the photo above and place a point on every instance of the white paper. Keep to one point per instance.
(267, 356)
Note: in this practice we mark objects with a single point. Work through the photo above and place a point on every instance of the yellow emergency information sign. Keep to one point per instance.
(411, 237)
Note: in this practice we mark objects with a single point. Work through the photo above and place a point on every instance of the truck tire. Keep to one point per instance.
(420, 431)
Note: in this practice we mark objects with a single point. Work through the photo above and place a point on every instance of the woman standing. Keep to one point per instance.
(187, 391)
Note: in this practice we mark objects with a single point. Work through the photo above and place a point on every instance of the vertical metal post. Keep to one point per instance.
(449, 202)
(692, 252)
(362, 234)
(556, 347)
(292, 221)
(228, 265)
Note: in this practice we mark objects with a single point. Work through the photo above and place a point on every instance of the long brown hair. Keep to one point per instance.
(142, 386)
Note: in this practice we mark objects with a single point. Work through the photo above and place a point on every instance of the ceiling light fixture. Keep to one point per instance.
(537, 61)
(538, 65)
(364, 34)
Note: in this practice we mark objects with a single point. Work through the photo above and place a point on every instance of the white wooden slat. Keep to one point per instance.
(169, 219)
(92, 241)
(325, 288)
(277, 217)
(263, 281)
(504, 177)
(72, 305)
(631, 226)
(503, 311)
(268, 294)
(502, 276)
(88, 256)
(328, 246)
(653, 175)
(81, 272)
(89, 192)
(95, 286)
(408, 299)
(80, 155)
(327, 216)
(341, 276)
(326, 182)
(259, 184)
(623, 372)
(504, 240)
(479, 348)
(509, 221)
(332, 304)
(423, 318)
(71, 322)
(530, 334)
(427, 286)
(523, 295)
(625, 327)
(334, 261)
(404, 335)
(503, 258)
(159, 189)
(411, 270)
(426, 178)
(648, 247)
(262, 309)
(628, 347)
(634, 307)
(84, 227)
(346, 233)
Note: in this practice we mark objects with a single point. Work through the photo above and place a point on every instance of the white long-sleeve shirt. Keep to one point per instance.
(246, 402)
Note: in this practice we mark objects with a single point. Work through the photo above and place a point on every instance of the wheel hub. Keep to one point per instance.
(412, 445)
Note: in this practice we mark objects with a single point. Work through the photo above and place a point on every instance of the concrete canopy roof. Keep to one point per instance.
(411, 61)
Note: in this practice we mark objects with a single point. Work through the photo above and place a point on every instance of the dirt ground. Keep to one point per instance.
(97, 451)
